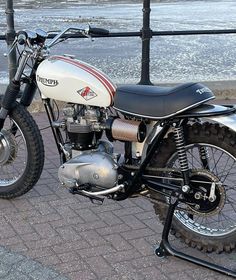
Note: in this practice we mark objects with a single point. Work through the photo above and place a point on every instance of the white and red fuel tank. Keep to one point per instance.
(67, 79)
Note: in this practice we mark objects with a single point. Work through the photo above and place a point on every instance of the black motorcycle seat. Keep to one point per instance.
(156, 102)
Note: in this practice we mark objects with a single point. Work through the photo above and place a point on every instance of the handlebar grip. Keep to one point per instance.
(22, 37)
(98, 31)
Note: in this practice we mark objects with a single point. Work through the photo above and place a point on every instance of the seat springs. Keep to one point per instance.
(180, 147)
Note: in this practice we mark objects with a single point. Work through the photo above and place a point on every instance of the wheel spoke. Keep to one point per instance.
(12, 167)
(223, 169)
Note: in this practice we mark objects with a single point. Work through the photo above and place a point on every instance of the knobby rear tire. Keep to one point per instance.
(31, 135)
(212, 134)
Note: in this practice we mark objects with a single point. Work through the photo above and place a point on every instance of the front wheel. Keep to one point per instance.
(209, 226)
(21, 154)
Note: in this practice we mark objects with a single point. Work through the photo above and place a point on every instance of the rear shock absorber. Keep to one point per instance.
(182, 156)
(204, 156)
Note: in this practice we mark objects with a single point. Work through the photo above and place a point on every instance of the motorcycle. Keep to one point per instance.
(179, 150)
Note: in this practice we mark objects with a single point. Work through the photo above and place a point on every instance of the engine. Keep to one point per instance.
(91, 164)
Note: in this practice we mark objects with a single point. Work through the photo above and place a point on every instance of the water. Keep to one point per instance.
(173, 59)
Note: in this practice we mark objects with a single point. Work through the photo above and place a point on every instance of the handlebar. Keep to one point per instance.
(98, 31)
(39, 36)
(86, 32)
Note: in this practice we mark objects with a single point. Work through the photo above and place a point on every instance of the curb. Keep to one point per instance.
(16, 266)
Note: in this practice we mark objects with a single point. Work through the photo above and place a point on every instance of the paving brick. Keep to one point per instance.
(11, 240)
(87, 215)
(6, 230)
(45, 198)
(70, 246)
(68, 257)
(152, 273)
(172, 264)
(9, 258)
(105, 230)
(40, 219)
(113, 206)
(109, 218)
(22, 204)
(96, 251)
(66, 221)
(21, 226)
(27, 266)
(43, 273)
(134, 234)
(18, 248)
(48, 260)
(122, 256)
(68, 234)
(67, 201)
(45, 230)
(133, 222)
(39, 252)
(44, 208)
(42, 243)
(89, 226)
(142, 246)
(22, 215)
(82, 275)
(118, 242)
(5, 204)
(74, 266)
(146, 215)
(128, 211)
(154, 224)
(145, 204)
(126, 271)
(180, 276)
(93, 238)
(15, 275)
(66, 212)
(100, 267)
(30, 237)
(44, 189)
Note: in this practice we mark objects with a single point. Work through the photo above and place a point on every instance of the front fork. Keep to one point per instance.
(13, 89)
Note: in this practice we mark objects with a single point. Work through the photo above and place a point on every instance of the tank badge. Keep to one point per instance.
(47, 82)
(87, 93)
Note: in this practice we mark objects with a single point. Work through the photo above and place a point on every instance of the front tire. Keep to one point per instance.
(21, 154)
(214, 230)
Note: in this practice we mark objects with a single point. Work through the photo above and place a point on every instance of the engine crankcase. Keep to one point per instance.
(95, 168)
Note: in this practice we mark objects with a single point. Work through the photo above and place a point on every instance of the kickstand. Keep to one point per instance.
(165, 248)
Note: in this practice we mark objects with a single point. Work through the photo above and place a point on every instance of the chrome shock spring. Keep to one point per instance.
(204, 156)
(204, 153)
(180, 147)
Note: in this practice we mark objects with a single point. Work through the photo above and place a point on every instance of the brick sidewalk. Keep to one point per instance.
(85, 241)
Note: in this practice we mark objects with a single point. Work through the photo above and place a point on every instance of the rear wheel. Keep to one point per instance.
(21, 154)
(207, 225)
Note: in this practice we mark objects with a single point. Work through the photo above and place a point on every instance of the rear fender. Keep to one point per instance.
(224, 115)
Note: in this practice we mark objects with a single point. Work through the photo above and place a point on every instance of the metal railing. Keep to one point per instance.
(145, 33)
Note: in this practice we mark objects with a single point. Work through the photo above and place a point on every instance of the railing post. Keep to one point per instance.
(10, 36)
(146, 37)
